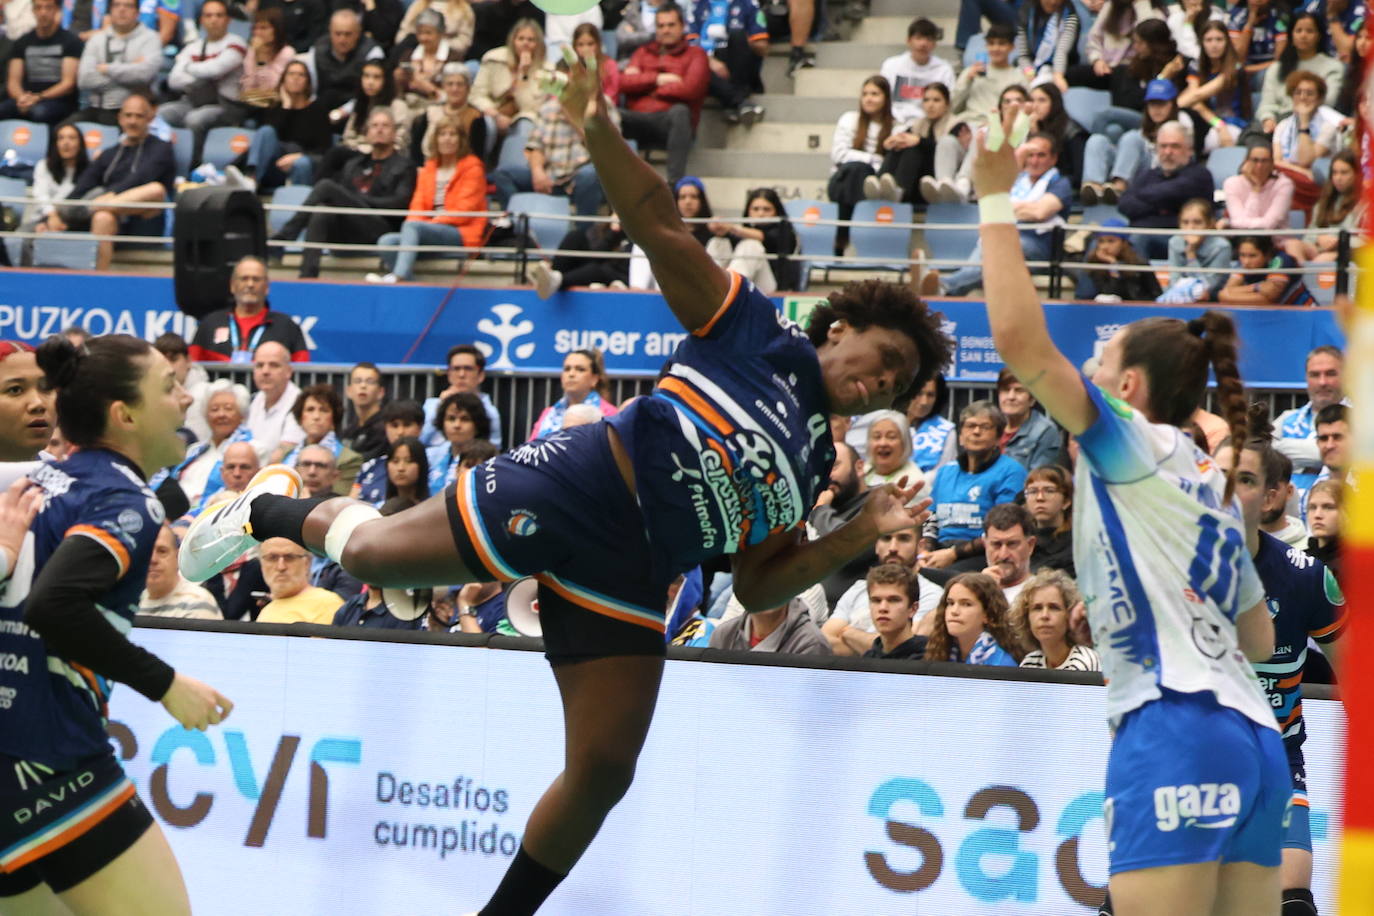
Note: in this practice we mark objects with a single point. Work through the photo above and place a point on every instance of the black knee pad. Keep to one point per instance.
(1297, 901)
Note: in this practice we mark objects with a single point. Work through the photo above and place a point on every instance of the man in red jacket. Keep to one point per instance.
(664, 86)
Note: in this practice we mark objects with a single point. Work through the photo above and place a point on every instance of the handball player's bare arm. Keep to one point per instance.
(772, 572)
(1023, 339)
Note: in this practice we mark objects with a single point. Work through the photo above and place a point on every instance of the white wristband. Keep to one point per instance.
(341, 529)
(996, 208)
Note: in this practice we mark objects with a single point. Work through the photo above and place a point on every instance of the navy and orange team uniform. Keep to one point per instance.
(1304, 601)
(732, 446)
(66, 807)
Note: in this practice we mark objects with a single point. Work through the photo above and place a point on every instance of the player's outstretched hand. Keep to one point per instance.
(895, 506)
(994, 164)
(196, 704)
(579, 90)
(19, 504)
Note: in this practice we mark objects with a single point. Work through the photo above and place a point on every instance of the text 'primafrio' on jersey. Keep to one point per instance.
(1304, 600)
(52, 710)
(1162, 565)
(735, 442)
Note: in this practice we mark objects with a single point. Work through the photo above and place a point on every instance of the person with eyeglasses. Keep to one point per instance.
(1308, 134)
(286, 569)
(1049, 498)
(966, 488)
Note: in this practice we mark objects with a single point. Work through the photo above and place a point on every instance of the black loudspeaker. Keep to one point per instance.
(215, 227)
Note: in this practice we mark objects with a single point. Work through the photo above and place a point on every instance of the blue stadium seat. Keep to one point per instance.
(951, 244)
(242, 28)
(54, 251)
(285, 196)
(1083, 104)
(548, 215)
(1297, 219)
(513, 146)
(1224, 161)
(183, 143)
(1320, 169)
(28, 139)
(97, 136)
(1322, 286)
(13, 187)
(225, 144)
(892, 245)
(977, 44)
(815, 242)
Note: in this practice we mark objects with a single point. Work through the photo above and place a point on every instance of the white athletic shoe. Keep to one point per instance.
(930, 189)
(221, 533)
(546, 279)
(887, 187)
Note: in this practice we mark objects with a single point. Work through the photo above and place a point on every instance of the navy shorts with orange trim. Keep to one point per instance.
(559, 510)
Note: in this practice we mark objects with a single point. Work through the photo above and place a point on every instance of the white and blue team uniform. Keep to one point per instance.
(52, 709)
(1197, 772)
(1305, 601)
(734, 445)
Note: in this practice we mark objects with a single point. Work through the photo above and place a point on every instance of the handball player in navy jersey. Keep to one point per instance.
(727, 456)
(74, 836)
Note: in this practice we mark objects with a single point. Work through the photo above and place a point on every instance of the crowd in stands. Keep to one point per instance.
(988, 579)
(350, 99)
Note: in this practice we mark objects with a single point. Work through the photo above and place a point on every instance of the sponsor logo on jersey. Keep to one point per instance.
(522, 523)
(1332, 588)
(1208, 806)
(130, 521)
(1207, 637)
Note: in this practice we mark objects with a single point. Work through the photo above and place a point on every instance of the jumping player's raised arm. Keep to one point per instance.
(1014, 309)
(693, 285)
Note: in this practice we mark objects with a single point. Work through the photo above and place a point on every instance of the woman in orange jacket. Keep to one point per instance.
(453, 181)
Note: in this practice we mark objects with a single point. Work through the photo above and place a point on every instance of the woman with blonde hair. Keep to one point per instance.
(969, 624)
(1040, 624)
(509, 81)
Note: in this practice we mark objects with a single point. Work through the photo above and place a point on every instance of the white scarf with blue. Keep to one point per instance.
(984, 650)
(330, 441)
(215, 482)
(1049, 37)
(1026, 190)
(553, 420)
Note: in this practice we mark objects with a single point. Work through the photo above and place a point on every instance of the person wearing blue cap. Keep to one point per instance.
(1135, 148)
(1106, 281)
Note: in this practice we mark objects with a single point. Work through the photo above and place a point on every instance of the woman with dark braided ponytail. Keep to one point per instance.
(1197, 781)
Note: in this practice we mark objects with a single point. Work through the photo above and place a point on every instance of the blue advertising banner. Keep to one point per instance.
(346, 323)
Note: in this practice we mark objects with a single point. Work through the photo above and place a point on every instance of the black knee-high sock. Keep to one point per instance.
(274, 516)
(1297, 901)
(1106, 908)
(524, 889)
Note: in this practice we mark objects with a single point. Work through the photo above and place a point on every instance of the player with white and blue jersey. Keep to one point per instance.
(1305, 602)
(71, 824)
(1197, 782)
(726, 457)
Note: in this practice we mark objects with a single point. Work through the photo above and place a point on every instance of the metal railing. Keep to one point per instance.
(1057, 266)
(519, 396)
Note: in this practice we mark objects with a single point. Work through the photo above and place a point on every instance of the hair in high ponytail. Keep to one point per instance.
(1175, 356)
(89, 378)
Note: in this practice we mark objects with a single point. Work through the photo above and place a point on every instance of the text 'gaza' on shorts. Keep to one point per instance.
(1190, 781)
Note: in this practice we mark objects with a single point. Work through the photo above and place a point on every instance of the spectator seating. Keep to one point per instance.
(815, 242)
(55, 251)
(28, 139)
(892, 245)
(285, 196)
(951, 244)
(1223, 162)
(548, 216)
(1083, 104)
(97, 136)
(183, 145)
(225, 144)
(13, 187)
(977, 45)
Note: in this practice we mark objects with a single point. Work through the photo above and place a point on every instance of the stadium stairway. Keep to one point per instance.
(788, 151)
